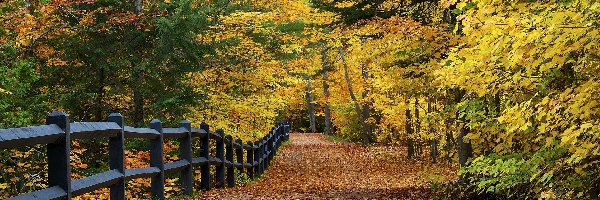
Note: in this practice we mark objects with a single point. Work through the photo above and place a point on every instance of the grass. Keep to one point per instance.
(184, 197)
(334, 138)
(283, 144)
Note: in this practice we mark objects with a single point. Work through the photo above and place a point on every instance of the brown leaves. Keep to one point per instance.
(314, 168)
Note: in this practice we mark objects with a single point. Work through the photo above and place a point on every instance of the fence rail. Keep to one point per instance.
(59, 132)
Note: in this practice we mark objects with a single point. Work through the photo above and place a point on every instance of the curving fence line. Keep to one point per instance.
(59, 132)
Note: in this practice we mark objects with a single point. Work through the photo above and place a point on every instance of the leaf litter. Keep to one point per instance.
(314, 168)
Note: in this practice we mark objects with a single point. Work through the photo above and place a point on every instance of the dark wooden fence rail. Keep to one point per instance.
(59, 132)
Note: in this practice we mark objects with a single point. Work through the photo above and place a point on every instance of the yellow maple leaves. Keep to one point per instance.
(535, 41)
(541, 59)
(257, 84)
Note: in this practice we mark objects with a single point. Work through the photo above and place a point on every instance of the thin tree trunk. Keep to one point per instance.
(497, 109)
(365, 136)
(449, 136)
(138, 96)
(326, 90)
(366, 109)
(497, 104)
(464, 151)
(356, 105)
(138, 99)
(417, 127)
(100, 95)
(449, 140)
(311, 107)
(432, 142)
(464, 148)
(138, 7)
(409, 132)
(30, 6)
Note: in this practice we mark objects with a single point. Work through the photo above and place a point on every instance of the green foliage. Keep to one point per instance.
(334, 138)
(529, 176)
(349, 127)
(19, 105)
(295, 28)
(242, 179)
(155, 53)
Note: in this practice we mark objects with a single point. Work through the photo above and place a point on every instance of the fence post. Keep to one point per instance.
(261, 156)
(257, 156)
(277, 136)
(205, 169)
(116, 157)
(185, 152)
(281, 130)
(268, 148)
(59, 167)
(266, 152)
(263, 153)
(220, 169)
(229, 157)
(286, 131)
(273, 144)
(250, 159)
(239, 153)
(156, 160)
(272, 148)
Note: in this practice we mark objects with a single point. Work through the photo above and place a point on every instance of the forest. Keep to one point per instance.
(505, 93)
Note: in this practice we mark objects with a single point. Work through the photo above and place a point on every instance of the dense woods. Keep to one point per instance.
(507, 90)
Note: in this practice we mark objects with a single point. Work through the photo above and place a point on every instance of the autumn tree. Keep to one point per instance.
(354, 11)
(528, 70)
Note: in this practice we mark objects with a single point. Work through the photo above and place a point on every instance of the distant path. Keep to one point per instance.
(314, 168)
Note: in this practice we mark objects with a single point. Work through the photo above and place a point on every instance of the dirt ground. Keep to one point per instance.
(313, 167)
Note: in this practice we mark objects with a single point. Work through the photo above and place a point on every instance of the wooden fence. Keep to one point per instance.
(59, 132)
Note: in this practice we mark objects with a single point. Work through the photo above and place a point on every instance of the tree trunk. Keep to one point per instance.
(433, 142)
(326, 90)
(497, 104)
(311, 107)
(449, 140)
(100, 95)
(417, 127)
(30, 6)
(409, 132)
(138, 99)
(138, 95)
(464, 151)
(366, 109)
(138, 7)
(365, 136)
(449, 136)
(464, 148)
(434, 151)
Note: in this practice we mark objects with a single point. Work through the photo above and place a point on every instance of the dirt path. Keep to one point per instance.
(314, 168)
